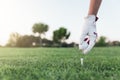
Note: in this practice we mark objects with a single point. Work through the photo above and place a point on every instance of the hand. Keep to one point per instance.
(89, 34)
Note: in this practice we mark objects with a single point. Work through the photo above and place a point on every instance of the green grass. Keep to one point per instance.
(59, 64)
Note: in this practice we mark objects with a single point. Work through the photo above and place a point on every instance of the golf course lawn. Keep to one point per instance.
(102, 63)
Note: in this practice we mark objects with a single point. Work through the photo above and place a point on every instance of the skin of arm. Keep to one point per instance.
(94, 7)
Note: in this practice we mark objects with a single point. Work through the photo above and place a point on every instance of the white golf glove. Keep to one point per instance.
(89, 34)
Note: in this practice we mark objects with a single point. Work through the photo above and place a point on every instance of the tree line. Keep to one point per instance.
(58, 39)
(103, 42)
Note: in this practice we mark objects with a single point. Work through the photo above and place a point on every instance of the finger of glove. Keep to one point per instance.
(85, 30)
(82, 38)
(84, 45)
(81, 47)
(91, 44)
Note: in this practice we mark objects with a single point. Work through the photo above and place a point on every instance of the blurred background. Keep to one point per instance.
(61, 22)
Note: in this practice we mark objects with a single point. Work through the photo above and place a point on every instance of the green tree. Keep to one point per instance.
(40, 28)
(101, 42)
(13, 39)
(60, 35)
(26, 41)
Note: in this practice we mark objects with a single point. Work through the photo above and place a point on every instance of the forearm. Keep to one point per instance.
(94, 7)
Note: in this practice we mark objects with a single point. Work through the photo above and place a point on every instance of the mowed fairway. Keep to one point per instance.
(59, 64)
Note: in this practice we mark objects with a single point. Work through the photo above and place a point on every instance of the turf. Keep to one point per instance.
(59, 64)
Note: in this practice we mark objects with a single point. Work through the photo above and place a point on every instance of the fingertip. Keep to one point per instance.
(85, 52)
(81, 47)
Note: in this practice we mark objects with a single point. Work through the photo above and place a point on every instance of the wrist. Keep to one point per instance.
(92, 18)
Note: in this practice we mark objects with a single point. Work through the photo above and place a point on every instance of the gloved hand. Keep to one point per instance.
(89, 34)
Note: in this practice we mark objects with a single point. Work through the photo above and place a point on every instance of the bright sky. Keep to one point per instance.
(20, 15)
